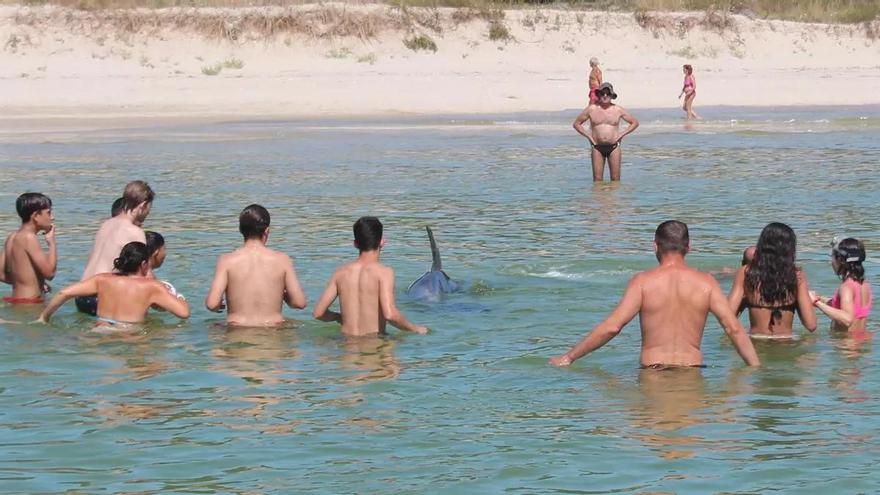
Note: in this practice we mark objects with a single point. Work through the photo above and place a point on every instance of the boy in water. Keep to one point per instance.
(116, 232)
(255, 279)
(365, 288)
(24, 263)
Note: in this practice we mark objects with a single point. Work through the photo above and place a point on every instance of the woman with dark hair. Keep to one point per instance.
(773, 287)
(124, 295)
(851, 305)
(689, 90)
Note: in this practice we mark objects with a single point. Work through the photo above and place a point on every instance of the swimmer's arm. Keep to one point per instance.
(846, 314)
(45, 264)
(734, 299)
(3, 266)
(579, 125)
(389, 306)
(88, 287)
(629, 119)
(214, 299)
(626, 310)
(806, 310)
(173, 304)
(720, 307)
(322, 310)
(293, 292)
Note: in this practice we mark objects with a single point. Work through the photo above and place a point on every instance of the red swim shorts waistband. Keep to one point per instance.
(23, 300)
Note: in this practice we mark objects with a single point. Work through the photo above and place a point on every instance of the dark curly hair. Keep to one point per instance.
(772, 274)
(132, 256)
(854, 251)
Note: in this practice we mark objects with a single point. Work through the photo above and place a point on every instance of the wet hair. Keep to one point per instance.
(130, 259)
(854, 250)
(116, 209)
(253, 221)
(29, 203)
(367, 233)
(672, 235)
(155, 241)
(688, 68)
(136, 192)
(772, 274)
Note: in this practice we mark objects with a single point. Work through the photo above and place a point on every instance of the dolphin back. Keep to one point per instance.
(436, 264)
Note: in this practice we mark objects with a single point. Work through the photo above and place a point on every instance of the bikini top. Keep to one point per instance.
(860, 311)
(776, 311)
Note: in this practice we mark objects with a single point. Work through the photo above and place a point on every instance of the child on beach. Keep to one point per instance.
(850, 306)
(256, 280)
(365, 288)
(125, 295)
(24, 263)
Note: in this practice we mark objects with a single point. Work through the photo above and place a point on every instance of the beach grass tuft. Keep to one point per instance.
(420, 42)
(212, 70)
(499, 32)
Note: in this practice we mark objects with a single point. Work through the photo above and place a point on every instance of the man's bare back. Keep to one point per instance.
(257, 281)
(114, 233)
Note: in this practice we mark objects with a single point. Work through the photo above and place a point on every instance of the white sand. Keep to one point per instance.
(50, 74)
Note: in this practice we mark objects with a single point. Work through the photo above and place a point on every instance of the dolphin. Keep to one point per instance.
(436, 282)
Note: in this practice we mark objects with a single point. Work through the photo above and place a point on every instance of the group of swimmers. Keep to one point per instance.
(251, 283)
(119, 286)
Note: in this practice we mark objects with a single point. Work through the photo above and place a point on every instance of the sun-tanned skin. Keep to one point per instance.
(256, 281)
(123, 298)
(115, 233)
(365, 288)
(23, 262)
(605, 119)
(759, 318)
(673, 302)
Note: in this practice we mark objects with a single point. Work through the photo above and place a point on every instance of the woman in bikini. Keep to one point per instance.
(851, 305)
(689, 90)
(772, 287)
(125, 295)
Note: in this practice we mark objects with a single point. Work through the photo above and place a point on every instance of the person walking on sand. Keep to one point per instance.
(604, 134)
(672, 302)
(689, 90)
(595, 79)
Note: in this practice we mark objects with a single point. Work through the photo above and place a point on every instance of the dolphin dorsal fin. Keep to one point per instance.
(436, 264)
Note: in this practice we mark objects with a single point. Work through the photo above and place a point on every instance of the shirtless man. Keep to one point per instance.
(365, 288)
(125, 295)
(672, 301)
(116, 232)
(604, 134)
(254, 278)
(595, 79)
(23, 263)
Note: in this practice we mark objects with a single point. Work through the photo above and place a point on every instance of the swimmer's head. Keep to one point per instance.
(672, 236)
(253, 222)
(368, 234)
(116, 209)
(138, 199)
(846, 259)
(748, 255)
(132, 259)
(36, 207)
(156, 247)
(594, 61)
(688, 69)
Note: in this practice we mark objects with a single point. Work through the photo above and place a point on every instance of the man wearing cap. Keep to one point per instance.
(595, 80)
(604, 134)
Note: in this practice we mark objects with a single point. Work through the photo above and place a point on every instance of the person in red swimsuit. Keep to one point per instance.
(24, 263)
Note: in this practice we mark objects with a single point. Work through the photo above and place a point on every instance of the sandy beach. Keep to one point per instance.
(63, 67)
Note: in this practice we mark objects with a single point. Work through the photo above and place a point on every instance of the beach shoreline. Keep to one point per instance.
(55, 76)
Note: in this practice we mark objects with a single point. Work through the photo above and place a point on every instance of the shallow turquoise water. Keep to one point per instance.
(473, 407)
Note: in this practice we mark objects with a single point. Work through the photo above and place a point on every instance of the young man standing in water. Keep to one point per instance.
(255, 279)
(672, 301)
(116, 232)
(365, 288)
(604, 134)
(23, 263)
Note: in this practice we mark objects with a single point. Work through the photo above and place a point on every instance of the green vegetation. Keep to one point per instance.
(420, 42)
(212, 70)
(499, 32)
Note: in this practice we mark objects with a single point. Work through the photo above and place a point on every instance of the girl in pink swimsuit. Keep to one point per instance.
(851, 305)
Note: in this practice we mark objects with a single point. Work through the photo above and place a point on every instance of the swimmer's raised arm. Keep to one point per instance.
(629, 119)
(628, 307)
(45, 264)
(88, 287)
(173, 304)
(806, 310)
(322, 310)
(845, 315)
(293, 292)
(579, 125)
(737, 291)
(214, 299)
(389, 306)
(720, 307)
